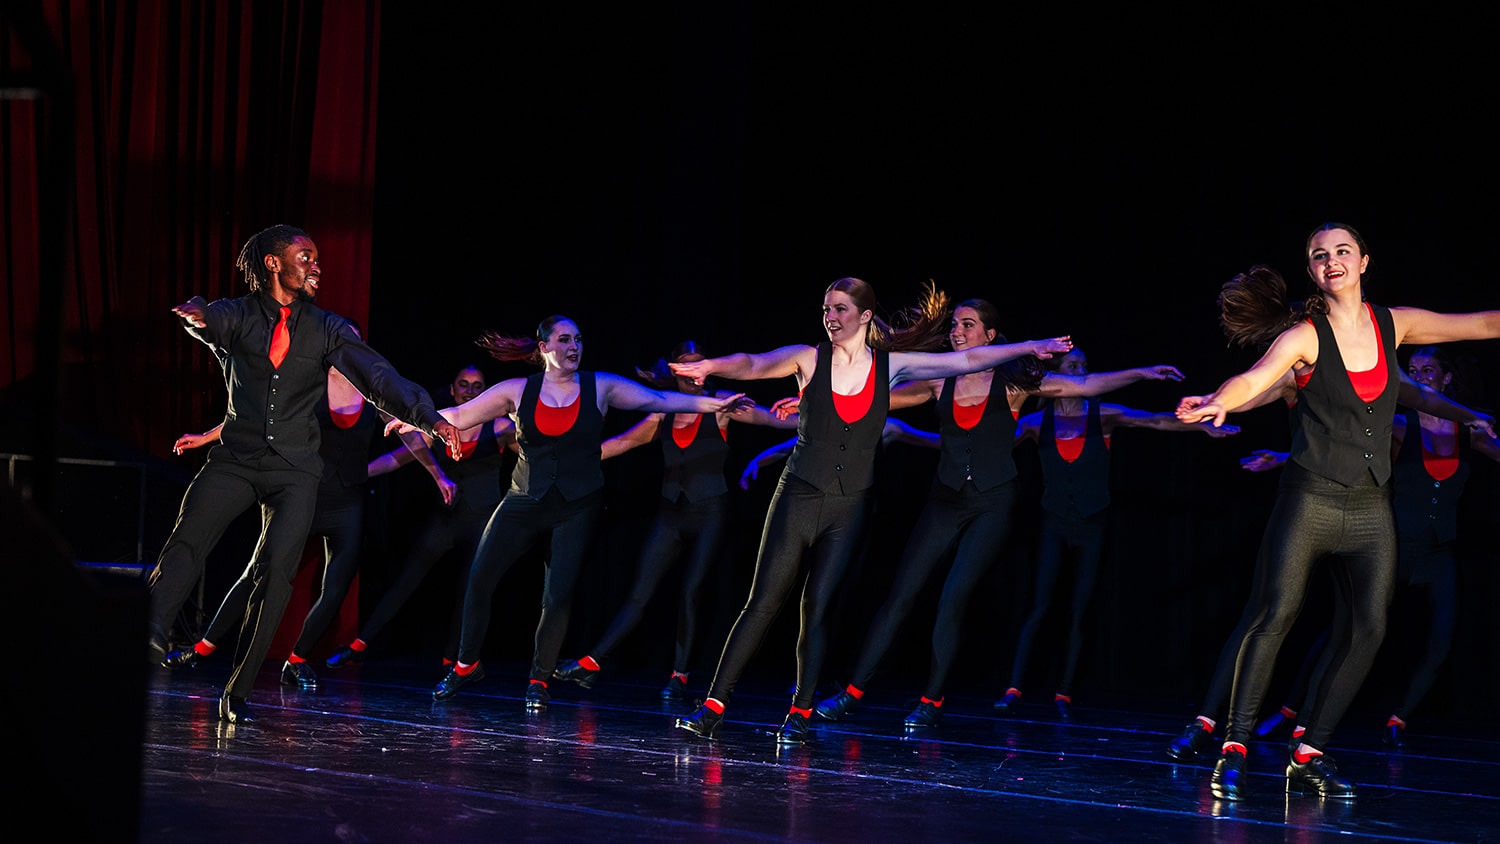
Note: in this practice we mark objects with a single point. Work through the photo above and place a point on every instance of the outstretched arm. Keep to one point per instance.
(1115, 415)
(629, 395)
(638, 434)
(1294, 346)
(771, 456)
(1264, 460)
(1419, 396)
(777, 363)
(897, 431)
(1055, 385)
(1416, 325)
(922, 366)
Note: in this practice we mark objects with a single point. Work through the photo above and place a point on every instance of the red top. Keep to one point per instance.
(556, 421)
(853, 408)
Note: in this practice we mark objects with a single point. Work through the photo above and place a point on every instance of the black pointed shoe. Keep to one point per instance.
(235, 710)
(794, 729)
(574, 672)
(1008, 704)
(453, 681)
(1195, 743)
(299, 674)
(1319, 776)
(926, 715)
(1230, 773)
(676, 688)
(703, 722)
(187, 658)
(837, 706)
(343, 657)
(1393, 736)
(537, 697)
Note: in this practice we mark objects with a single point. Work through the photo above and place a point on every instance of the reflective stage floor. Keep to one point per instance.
(369, 756)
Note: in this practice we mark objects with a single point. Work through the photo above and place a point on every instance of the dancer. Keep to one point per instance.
(276, 348)
(1334, 498)
(557, 488)
(471, 490)
(346, 429)
(690, 517)
(1073, 437)
(820, 506)
(968, 510)
(1431, 463)
(1196, 741)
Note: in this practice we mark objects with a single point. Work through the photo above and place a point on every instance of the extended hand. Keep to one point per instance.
(1163, 372)
(696, 370)
(192, 312)
(1056, 346)
(445, 431)
(1200, 409)
(1263, 460)
(784, 408)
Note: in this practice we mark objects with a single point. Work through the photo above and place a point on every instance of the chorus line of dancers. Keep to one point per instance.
(296, 435)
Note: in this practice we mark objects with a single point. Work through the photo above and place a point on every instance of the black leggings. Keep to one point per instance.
(1315, 517)
(801, 520)
(697, 526)
(1083, 537)
(455, 531)
(519, 523)
(976, 525)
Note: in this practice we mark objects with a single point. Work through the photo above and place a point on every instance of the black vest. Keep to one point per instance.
(1426, 506)
(831, 454)
(346, 451)
(1080, 488)
(1342, 436)
(698, 470)
(982, 452)
(478, 474)
(570, 462)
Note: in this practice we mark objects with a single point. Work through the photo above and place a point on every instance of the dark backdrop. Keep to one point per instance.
(663, 175)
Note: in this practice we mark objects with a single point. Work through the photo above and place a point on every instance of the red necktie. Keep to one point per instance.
(280, 339)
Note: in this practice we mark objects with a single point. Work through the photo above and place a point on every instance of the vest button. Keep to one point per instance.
(847, 428)
(1367, 432)
(1369, 456)
(843, 447)
(839, 468)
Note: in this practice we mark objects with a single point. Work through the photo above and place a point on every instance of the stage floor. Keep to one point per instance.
(369, 756)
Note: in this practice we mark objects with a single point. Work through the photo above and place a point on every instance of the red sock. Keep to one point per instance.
(713, 705)
(589, 663)
(1288, 713)
(204, 647)
(678, 675)
(1297, 733)
(1063, 698)
(464, 670)
(938, 704)
(1302, 758)
(1013, 692)
(358, 646)
(805, 713)
(294, 659)
(1208, 724)
(1235, 746)
(857, 694)
(1395, 721)
(542, 683)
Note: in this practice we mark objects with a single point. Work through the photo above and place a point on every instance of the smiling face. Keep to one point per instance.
(563, 347)
(466, 385)
(967, 330)
(1335, 261)
(1427, 369)
(842, 319)
(296, 268)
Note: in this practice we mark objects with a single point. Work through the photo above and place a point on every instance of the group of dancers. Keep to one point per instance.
(1330, 357)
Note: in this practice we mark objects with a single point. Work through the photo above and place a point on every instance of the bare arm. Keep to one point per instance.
(1416, 325)
(499, 400)
(777, 363)
(774, 454)
(625, 394)
(1419, 396)
(1056, 385)
(897, 431)
(914, 394)
(638, 435)
(1115, 415)
(1296, 345)
(922, 366)
(187, 441)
